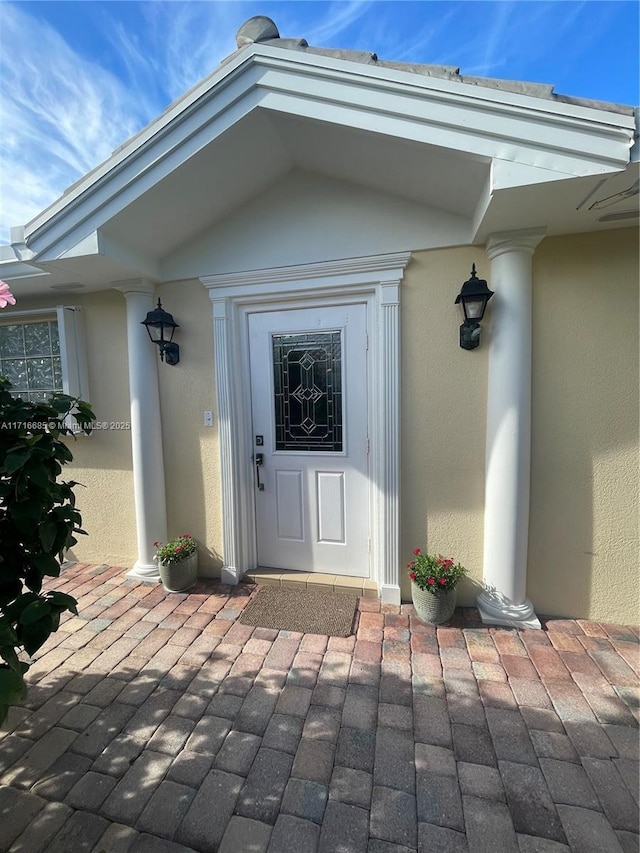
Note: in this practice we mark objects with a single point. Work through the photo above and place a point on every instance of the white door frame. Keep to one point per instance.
(374, 280)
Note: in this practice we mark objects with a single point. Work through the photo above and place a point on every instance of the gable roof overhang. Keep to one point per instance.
(500, 159)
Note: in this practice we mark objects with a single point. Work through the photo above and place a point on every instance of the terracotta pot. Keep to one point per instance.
(178, 577)
(433, 607)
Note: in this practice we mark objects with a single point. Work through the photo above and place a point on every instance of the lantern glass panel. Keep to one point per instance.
(474, 307)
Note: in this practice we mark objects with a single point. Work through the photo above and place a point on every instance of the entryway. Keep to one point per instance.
(309, 401)
(329, 509)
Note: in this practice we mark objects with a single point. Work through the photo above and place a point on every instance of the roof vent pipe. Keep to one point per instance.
(257, 29)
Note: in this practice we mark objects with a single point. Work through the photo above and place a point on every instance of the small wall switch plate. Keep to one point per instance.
(208, 418)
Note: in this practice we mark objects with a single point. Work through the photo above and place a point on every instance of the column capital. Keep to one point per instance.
(514, 241)
(135, 285)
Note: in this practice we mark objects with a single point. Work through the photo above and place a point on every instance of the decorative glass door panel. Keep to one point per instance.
(307, 380)
(310, 425)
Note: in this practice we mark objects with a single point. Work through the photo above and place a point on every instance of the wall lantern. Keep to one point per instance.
(474, 296)
(163, 326)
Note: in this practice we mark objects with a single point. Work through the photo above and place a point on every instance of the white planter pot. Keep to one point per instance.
(434, 608)
(178, 577)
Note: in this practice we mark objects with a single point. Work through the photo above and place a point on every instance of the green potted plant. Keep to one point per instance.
(433, 586)
(178, 563)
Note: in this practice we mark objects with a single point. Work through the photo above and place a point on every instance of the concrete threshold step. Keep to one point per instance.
(313, 580)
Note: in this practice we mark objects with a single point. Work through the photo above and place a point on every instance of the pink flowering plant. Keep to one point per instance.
(6, 297)
(175, 550)
(434, 573)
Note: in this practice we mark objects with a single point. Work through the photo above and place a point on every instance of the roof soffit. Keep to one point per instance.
(563, 139)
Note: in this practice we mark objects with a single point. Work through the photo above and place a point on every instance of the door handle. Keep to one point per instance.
(259, 463)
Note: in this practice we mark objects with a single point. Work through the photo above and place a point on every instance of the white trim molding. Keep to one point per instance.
(503, 600)
(374, 280)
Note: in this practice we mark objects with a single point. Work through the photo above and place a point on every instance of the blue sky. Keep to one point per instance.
(78, 78)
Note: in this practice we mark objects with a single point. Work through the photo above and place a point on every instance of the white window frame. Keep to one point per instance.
(73, 357)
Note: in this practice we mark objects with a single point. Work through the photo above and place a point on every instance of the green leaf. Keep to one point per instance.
(26, 514)
(34, 612)
(8, 636)
(12, 611)
(8, 653)
(46, 564)
(36, 635)
(16, 460)
(63, 535)
(61, 405)
(47, 532)
(12, 687)
(61, 599)
(38, 474)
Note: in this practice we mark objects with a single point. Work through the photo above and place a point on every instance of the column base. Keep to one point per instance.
(144, 572)
(230, 575)
(496, 610)
(389, 593)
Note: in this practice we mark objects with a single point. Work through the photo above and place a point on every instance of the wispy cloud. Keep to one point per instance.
(337, 17)
(60, 115)
(187, 41)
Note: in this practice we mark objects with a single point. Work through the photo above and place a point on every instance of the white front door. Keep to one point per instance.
(309, 380)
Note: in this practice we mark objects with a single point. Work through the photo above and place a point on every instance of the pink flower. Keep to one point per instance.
(186, 536)
(156, 544)
(431, 581)
(443, 581)
(6, 297)
(416, 550)
(412, 575)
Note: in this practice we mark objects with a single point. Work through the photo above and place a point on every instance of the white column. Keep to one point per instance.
(146, 431)
(503, 600)
(230, 461)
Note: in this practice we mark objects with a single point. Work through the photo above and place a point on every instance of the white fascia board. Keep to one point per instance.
(506, 174)
(97, 243)
(484, 122)
(482, 98)
(89, 245)
(15, 269)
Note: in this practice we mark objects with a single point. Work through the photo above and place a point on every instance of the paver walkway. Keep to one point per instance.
(157, 723)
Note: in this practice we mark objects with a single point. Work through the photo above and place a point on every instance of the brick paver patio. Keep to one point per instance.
(157, 723)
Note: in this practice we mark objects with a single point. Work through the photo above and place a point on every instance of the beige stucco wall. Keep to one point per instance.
(443, 417)
(583, 533)
(191, 450)
(102, 461)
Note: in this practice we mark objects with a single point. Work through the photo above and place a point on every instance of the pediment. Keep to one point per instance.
(307, 218)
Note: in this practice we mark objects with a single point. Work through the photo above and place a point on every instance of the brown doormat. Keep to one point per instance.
(306, 610)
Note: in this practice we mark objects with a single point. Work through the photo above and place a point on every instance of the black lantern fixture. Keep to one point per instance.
(163, 326)
(474, 296)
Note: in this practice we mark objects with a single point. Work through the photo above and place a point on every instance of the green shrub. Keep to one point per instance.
(38, 521)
